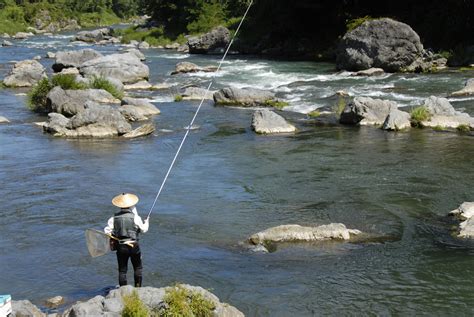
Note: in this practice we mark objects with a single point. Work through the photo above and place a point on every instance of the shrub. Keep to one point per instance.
(463, 128)
(182, 302)
(103, 83)
(354, 23)
(67, 81)
(134, 307)
(278, 104)
(37, 95)
(418, 115)
(178, 98)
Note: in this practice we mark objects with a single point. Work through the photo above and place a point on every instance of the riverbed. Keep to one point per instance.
(229, 183)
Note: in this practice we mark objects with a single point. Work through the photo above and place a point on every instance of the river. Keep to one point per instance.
(229, 183)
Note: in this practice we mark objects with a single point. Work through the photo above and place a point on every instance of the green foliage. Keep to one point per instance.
(354, 23)
(207, 15)
(439, 128)
(178, 98)
(339, 106)
(67, 82)
(463, 128)
(278, 104)
(314, 114)
(181, 302)
(418, 115)
(90, 19)
(134, 307)
(37, 95)
(103, 83)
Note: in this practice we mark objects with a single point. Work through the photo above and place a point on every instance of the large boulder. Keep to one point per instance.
(467, 90)
(444, 115)
(246, 97)
(153, 298)
(297, 233)
(440, 106)
(71, 102)
(397, 120)
(268, 122)
(187, 67)
(367, 111)
(94, 36)
(66, 59)
(125, 67)
(465, 214)
(212, 42)
(382, 43)
(25, 74)
(24, 308)
(95, 121)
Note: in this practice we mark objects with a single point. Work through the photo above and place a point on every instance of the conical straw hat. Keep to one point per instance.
(125, 200)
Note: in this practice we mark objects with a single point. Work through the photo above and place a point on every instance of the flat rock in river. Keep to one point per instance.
(465, 213)
(25, 74)
(243, 97)
(367, 111)
(268, 122)
(125, 67)
(65, 59)
(466, 91)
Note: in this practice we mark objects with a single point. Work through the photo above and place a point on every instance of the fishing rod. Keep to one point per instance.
(188, 128)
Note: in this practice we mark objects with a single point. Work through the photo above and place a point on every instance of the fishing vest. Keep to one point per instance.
(124, 225)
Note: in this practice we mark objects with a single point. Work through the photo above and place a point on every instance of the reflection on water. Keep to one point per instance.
(230, 183)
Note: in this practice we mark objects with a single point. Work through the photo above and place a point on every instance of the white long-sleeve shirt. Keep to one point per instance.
(143, 225)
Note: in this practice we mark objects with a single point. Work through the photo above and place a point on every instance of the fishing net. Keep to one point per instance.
(98, 243)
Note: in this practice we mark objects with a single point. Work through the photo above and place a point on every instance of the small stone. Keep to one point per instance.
(54, 301)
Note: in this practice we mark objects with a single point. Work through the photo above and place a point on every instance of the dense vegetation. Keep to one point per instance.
(17, 15)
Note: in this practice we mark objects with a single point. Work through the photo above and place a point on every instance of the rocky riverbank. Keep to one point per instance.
(157, 301)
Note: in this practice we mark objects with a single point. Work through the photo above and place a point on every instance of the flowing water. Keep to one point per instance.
(229, 183)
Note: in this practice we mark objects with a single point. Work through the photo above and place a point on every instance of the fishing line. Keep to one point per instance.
(188, 128)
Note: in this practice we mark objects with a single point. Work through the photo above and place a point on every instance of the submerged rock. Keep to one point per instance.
(370, 72)
(466, 91)
(246, 97)
(143, 130)
(211, 42)
(367, 111)
(187, 67)
(268, 122)
(382, 43)
(297, 233)
(54, 301)
(465, 213)
(125, 67)
(25, 74)
(196, 93)
(66, 59)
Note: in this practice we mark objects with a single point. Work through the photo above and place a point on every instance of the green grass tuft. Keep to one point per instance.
(439, 128)
(354, 23)
(418, 115)
(178, 98)
(182, 302)
(314, 114)
(36, 100)
(339, 107)
(103, 83)
(134, 307)
(67, 82)
(277, 104)
(463, 128)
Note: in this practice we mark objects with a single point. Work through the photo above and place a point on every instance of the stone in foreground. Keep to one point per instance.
(153, 298)
(268, 122)
(297, 233)
(465, 213)
(367, 111)
(382, 43)
(246, 97)
(25, 74)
